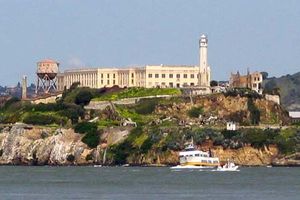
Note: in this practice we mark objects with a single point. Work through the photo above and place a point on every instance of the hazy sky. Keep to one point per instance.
(262, 35)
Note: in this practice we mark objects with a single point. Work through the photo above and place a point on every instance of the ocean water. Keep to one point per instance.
(130, 183)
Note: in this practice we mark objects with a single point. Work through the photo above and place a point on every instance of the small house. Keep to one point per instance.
(231, 126)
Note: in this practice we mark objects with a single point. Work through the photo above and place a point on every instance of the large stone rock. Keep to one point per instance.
(28, 147)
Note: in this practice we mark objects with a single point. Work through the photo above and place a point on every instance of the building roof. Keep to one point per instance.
(294, 114)
(48, 61)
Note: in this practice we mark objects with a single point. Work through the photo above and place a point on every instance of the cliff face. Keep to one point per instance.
(228, 108)
(36, 146)
(246, 156)
(21, 146)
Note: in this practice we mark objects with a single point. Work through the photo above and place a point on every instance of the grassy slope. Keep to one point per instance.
(138, 92)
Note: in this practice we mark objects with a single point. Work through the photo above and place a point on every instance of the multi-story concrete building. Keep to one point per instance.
(143, 76)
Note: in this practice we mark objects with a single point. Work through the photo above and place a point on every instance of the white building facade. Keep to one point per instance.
(149, 76)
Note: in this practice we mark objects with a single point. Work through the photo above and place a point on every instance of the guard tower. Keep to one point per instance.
(46, 76)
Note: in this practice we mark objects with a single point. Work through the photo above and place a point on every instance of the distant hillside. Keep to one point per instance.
(289, 89)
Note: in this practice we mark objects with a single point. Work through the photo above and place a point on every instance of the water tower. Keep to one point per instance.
(46, 76)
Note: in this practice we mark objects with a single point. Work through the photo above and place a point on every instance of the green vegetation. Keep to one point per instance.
(138, 92)
(44, 119)
(91, 138)
(242, 92)
(149, 139)
(91, 133)
(254, 112)
(146, 106)
(85, 127)
(194, 112)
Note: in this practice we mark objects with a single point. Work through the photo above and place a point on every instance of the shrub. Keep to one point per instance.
(91, 139)
(11, 101)
(228, 134)
(83, 97)
(121, 151)
(70, 158)
(72, 111)
(85, 127)
(89, 157)
(146, 106)
(254, 112)
(41, 107)
(43, 119)
(194, 112)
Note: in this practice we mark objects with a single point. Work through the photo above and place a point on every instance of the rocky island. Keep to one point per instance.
(148, 127)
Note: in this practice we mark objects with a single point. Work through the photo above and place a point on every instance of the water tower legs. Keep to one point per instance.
(45, 84)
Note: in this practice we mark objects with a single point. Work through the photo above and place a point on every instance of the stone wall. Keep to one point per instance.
(274, 98)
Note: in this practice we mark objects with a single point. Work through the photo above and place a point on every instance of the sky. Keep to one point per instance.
(259, 35)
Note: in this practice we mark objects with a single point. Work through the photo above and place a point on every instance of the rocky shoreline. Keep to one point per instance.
(21, 145)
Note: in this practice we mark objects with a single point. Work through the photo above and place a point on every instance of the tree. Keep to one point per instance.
(74, 86)
(264, 75)
(83, 97)
(214, 83)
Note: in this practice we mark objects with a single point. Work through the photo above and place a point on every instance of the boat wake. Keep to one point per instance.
(189, 167)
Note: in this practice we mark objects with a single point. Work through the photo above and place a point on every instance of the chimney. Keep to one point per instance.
(24, 87)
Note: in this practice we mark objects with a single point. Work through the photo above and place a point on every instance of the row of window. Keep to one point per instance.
(114, 82)
(196, 155)
(171, 75)
(256, 78)
(171, 84)
(114, 75)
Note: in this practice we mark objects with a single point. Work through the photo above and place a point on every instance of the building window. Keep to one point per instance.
(170, 75)
(156, 76)
(132, 81)
(101, 75)
(163, 75)
(192, 76)
(132, 75)
(184, 75)
(177, 75)
(102, 82)
(170, 85)
(149, 75)
(114, 82)
(114, 75)
(107, 82)
(192, 84)
(178, 85)
(107, 75)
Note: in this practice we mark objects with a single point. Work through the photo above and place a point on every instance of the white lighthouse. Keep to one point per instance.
(204, 69)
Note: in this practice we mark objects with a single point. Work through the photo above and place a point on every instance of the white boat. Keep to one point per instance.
(191, 158)
(229, 166)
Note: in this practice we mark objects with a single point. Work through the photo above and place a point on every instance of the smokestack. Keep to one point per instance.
(24, 87)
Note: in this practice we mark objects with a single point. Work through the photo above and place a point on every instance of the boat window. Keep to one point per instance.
(196, 154)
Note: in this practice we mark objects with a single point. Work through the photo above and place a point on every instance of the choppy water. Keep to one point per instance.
(18, 182)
